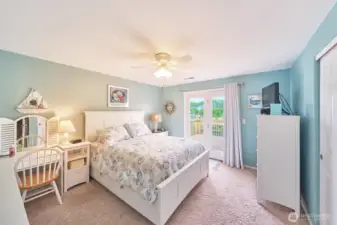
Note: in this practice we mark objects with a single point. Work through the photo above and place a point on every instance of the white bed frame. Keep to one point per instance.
(172, 191)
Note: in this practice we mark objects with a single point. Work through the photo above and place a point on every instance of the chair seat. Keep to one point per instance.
(37, 182)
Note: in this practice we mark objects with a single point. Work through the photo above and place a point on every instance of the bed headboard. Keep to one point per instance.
(95, 120)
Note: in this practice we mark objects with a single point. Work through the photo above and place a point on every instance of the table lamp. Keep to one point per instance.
(66, 127)
(156, 118)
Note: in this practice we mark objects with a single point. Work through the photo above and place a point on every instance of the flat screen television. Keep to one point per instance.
(270, 95)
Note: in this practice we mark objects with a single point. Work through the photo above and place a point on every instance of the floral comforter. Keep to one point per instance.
(144, 162)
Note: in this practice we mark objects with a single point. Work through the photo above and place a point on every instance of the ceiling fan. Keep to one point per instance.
(164, 63)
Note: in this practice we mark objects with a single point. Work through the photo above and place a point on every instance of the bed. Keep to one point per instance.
(170, 191)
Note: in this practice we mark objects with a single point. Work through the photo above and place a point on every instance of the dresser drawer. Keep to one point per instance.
(77, 176)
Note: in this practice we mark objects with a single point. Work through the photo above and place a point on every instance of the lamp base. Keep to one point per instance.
(155, 127)
(65, 140)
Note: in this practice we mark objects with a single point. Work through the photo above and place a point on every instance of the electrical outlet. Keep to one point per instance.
(243, 121)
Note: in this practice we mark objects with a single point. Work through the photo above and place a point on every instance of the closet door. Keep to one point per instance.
(328, 135)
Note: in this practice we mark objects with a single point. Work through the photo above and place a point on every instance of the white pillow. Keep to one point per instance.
(110, 136)
(137, 129)
(121, 130)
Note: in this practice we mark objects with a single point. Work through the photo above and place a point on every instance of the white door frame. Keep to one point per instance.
(187, 96)
(333, 216)
(333, 219)
(327, 49)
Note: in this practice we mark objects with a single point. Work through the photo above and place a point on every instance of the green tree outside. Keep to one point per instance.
(196, 108)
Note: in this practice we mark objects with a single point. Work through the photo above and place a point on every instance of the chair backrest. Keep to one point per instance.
(45, 162)
(39, 143)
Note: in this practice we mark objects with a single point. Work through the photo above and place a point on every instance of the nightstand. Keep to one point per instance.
(76, 164)
(162, 133)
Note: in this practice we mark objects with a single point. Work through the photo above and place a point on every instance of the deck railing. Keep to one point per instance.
(197, 127)
(217, 129)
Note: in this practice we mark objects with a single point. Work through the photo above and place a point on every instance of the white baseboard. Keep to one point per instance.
(305, 208)
(250, 167)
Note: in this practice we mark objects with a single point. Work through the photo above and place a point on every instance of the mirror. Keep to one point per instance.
(30, 132)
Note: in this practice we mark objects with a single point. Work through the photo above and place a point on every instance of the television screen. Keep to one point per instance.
(270, 94)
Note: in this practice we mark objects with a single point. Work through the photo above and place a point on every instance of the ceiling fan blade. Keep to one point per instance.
(138, 67)
(173, 68)
(143, 41)
(182, 59)
(141, 55)
(150, 66)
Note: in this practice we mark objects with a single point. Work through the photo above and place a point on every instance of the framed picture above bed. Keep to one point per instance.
(118, 96)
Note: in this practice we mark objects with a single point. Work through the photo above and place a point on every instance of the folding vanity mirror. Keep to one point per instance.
(28, 132)
(31, 132)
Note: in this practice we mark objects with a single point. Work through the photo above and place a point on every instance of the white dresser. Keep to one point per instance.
(278, 160)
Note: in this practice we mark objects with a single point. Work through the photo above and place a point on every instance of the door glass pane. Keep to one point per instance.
(218, 116)
(197, 116)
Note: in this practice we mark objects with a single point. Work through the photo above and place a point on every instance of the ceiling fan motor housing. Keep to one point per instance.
(163, 58)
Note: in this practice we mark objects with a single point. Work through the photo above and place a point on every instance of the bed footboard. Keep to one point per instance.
(171, 192)
(174, 189)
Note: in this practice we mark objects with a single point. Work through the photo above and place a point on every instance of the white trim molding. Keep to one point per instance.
(305, 209)
(249, 167)
(327, 49)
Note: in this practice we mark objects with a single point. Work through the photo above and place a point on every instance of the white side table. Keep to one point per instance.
(163, 133)
(76, 152)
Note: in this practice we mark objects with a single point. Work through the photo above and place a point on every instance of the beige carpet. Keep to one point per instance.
(227, 197)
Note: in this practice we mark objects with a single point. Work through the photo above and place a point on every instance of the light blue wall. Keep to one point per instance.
(253, 85)
(68, 90)
(305, 101)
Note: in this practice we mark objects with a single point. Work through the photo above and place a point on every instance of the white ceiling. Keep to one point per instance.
(225, 38)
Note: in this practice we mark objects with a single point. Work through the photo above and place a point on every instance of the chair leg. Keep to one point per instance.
(23, 196)
(57, 192)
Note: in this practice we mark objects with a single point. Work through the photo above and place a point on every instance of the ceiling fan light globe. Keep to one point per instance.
(162, 72)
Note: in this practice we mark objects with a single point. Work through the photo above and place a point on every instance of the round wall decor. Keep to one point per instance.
(170, 107)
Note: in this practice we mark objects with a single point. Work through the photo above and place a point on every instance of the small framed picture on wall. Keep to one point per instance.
(118, 96)
(255, 101)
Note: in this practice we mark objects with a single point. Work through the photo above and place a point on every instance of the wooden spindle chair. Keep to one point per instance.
(39, 168)
(26, 139)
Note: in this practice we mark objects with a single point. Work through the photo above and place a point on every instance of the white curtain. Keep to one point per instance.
(232, 130)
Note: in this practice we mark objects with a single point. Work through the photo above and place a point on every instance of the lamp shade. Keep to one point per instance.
(156, 118)
(66, 126)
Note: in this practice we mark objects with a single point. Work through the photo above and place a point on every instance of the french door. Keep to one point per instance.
(204, 120)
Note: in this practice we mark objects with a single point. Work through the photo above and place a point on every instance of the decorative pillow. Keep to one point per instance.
(109, 136)
(122, 131)
(137, 129)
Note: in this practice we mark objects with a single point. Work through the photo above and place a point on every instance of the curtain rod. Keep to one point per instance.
(214, 88)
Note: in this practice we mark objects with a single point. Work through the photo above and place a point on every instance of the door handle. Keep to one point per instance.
(321, 156)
